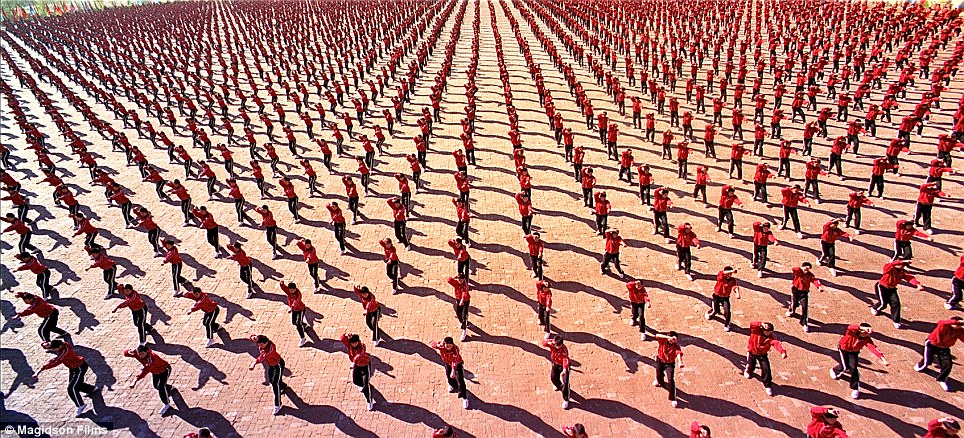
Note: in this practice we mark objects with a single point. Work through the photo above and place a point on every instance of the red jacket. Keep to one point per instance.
(311, 256)
(68, 358)
(544, 293)
(267, 354)
(451, 357)
(761, 237)
(724, 285)
(893, 274)
(637, 293)
(667, 352)
(461, 289)
(294, 297)
(820, 428)
(535, 248)
(803, 280)
(759, 344)
(152, 363)
(946, 334)
(357, 355)
(831, 234)
(461, 254)
(39, 307)
(370, 304)
(852, 343)
(559, 355)
(613, 242)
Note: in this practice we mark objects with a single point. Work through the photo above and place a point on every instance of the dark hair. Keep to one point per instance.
(447, 431)
(354, 338)
(806, 265)
(673, 334)
(448, 340)
(579, 428)
(261, 339)
(364, 290)
(196, 290)
(56, 343)
(142, 348)
(864, 325)
(204, 432)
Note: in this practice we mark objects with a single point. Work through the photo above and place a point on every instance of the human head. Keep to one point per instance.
(951, 424)
(805, 266)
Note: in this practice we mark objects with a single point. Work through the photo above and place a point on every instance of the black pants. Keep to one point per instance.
(275, 377)
(587, 200)
(298, 320)
(639, 315)
(644, 193)
(957, 290)
(43, 282)
(661, 223)
(876, 181)
(725, 215)
(176, 275)
(684, 259)
(849, 362)
(361, 377)
(790, 214)
(800, 298)
(186, 209)
(784, 169)
(700, 189)
(152, 237)
(213, 238)
(160, 384)
(611, 257)
(339, 228)
(110, 278)
(942, 356)
(140, 322)
(765, 375)
(391, 270)
(887, 296)
(527, 224)
(459, 381)
(922, 217)
(293, 207)
(271, 234)
(721, 305)
(666, 374)
(544, 319)
(400, 233)
(462, 230)
(902, 250)
(48, 325)
(828, 254)
(313, 272)
(371, 320)
(853, 213)
(245, 275)
(239, 209)
(25, 244)
(210, 322)
(602, 223)
(76, 384)
(809, 184)
(835, 162)
(760, 256)
(760, 192)
(462, 313)
(555, 376)
(536, 262)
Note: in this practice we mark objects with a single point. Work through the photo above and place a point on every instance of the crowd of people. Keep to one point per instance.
(355, 78)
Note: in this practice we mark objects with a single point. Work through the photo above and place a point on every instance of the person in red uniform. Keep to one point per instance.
(399, 216)
(311, 258)
(559, 356)
(602, 209)
(391, 263)
(536, 249)
(957, 287)
(32, 264)
(211, 228)
(338, 224)
(685, 240)
(800, 293)
(856, 200)
(726, 285)
(929, 192)
(725, 210)
(460, 286)
(101, 260)
(201, 433)
(23, 228)
(210, 309)
(855, 339)
(947, 427)
(544, 301)
(133, 301)
(297, 308)
(575, 431)
(238, 254)
(824, 423)
(462, 258)
(762, 239)
(611, 255)
(902, 239)
(463, 216)
(268, 355)
(792, 197)
(894, 273)
(758, 347)
(454, 368)
(525, 211)
(372, 311)
(77, 368)
(360, 365)
(159, 370)
(46, 312)
(638, 301)
(698, 430)
(668, 355)
(937, 348)
(828, 244)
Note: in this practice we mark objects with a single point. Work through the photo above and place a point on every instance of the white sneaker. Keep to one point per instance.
(643, 336)
(371, 405)
(707, 315)
(164, 409)
(948, 306)
(463, 336)
(377, 342)
(656, 383)
(303, 342)
(918, 368)
(81, 409)
(800, 235)
(674, 403)
(451, 388)
(209, 343)
(565, 404)
(726, 328)
(277, 409)
(746, 375)
(317, 289)
(689, 276)
(769, 392)
(898, 325)
(789, 313)
(944, 386)
(855, 394)
(833, 272)
(806, 329)
(465, 403)
(759, 274)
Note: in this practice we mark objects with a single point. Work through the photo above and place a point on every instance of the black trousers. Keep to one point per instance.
(400, 233)
(459, 381)
(76, 384)
(887, 296)
(313, 272)
(210, 322)
(760, 256)
(462, 230)
(828, 254)
(725, 215)
(110, 278)
(876, 181)
(339, 228)
(49, 324)
(140, 322)
(613, 258)
(536, 262)
(922, 217)
(298, 320)
(555, 376)
(784, 169)
(721, 305)
(271, 234)
(587, 200)
(666, 374)
(527, 224)
(661, 223)
(152, 237)
(957, 290)
(544, 318)
(275, 377)
(462, 313)
(800, 298)
(391, 270)
(700, 189)
(43, 282)
(639, 315)
(765, 374)
(684, 259)
(849, 362)
(853, 213)
(245, 275)
(941, 356)
(790, 213)
(902, 250)
(371, 320)
(644, 193)
(213, 238)
(814, 184)
(602, 223)
(160, 384)
(361, 377)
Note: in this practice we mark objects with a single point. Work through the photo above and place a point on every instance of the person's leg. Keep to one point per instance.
(555, 376)
(765, 373)
(274, 377)
(43, 280)
(928, 356)
(74, 378)
(895, 306)
(160, 384)
(751, 360)
(726, 312)
(460, 381)
(140, 317)
(957, 292)
(944, 360)
(297, 320)
(313, 272)
(853, 365)
(671, 380)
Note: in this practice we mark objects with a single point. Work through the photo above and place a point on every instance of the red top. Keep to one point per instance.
(525, 204)
(935, 429)
(536, 248)
(762, 237)
(831, 233)
(238, 255)
(172, 256)
(267, 354)
(461, 211)
(686, 237)
(311, 256)
(451, 357)
(357, 355)
(67, 357)
(893, 274)
(461, 289)
(133, 302)
(803, 280)
(959, 273)
(267, 218)
(759, 343)
(947, 333)
(398, 210)
(336, 215)
(667, 352)
(294, 297)
(544, 293)
(905, 233)
(370, 304)
(613, 242)
(852, 343)
(33, 265)
(792, 197)
(391, 255)
(461, 254)
(152, 363)
(819, 428)
(202, 302)
(558, 354)
(637, 293)
(39, 307)
(724, 285)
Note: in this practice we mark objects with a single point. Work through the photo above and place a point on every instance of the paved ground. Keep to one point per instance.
(508, 370)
